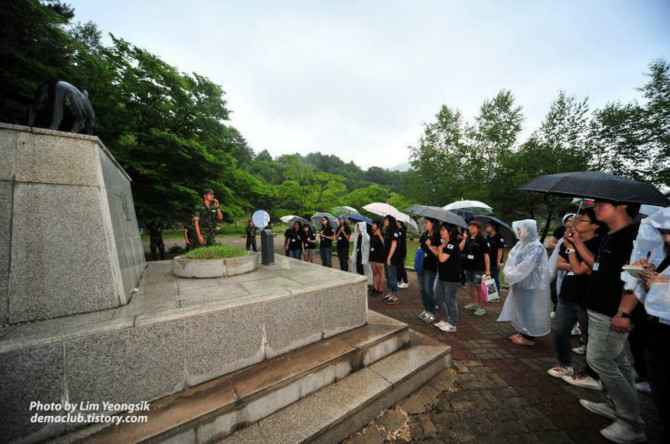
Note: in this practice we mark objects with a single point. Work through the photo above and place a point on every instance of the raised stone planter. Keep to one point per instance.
(215, 268)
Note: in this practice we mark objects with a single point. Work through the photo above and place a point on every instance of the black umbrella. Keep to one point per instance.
(438, 213)
(597, 185)
(502, 228)
(295, 219)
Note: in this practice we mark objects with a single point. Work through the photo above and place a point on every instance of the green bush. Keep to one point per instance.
(215, 252)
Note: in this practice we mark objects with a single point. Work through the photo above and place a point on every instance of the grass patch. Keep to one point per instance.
(215, 252)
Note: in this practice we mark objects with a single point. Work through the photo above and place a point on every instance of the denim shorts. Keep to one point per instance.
(474, 277)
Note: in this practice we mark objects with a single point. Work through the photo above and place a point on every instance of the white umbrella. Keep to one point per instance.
(384, 209)
(285, 219)
(471, 206)
(412, 227)
(347, 211)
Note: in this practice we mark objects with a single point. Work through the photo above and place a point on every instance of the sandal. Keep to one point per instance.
(511, 338)
(520, 340)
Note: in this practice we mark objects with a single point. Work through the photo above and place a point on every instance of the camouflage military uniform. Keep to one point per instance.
(191, 236)
(207, 220)
(251, 237)
(156, 239)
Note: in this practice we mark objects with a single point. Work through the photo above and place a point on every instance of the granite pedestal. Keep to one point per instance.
(69, 240)
(175, 333)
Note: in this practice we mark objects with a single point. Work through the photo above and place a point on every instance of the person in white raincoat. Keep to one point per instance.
(651, 250)
(361, 240)
(528, 304)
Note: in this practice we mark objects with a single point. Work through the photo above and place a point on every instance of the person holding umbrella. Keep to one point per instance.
(309, 241)
(477, 264)
(294, 243)
(392, 254)
(610, 310)
(343, 237)
(327, 236)
(430, 240)
(448, 281)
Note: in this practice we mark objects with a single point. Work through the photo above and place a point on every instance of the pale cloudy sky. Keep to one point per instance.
(359, 78)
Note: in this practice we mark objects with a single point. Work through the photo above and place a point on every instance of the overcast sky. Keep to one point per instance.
(359, 78)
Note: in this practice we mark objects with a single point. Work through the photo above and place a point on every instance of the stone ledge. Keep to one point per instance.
(215, 268)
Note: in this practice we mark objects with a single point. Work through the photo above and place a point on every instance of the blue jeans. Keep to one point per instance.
(495, 274)
(326, 259)
(567, 313)
(426, 286)
(447, 300)
(295, 254)
(391, 274)
(607, 356)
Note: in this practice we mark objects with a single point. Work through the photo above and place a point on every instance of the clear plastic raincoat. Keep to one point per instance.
(528, 305)
(649, 243)
(361, 228)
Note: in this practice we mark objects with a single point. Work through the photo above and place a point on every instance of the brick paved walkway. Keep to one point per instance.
(497, 392)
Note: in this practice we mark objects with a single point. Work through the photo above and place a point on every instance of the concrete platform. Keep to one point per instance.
(174, 334)
(218, 407)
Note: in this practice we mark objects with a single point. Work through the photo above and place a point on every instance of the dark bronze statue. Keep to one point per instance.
(61, 106)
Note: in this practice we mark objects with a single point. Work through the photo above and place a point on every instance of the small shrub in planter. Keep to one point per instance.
(215, 252)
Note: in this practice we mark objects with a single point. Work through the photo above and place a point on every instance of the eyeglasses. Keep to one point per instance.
(579, 221)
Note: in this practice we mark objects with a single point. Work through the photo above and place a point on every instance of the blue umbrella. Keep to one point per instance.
(359, 218)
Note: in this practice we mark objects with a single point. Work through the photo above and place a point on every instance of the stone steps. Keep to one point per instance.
(214, 409)
(337, 411)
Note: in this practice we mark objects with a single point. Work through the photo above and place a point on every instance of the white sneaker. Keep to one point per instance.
(576, 331)
(560, 370)
(583, 380)
(581, 350)
(599, 408)
(446, 327)
(643, 387)
(403, 285)
(622, 433)
(429, 317)
(422, 315)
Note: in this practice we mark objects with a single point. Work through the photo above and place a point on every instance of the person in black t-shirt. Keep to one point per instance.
(430, 240)
(449, 279)
(287, 233)
(309, 242)
(569, 308)
(293, 242)
(343, 235)
(497, 246)
(392, 253)
(403, 281)
(551, 243)
(477, 264)
(327, 236)
(377, 258)
(609, 311)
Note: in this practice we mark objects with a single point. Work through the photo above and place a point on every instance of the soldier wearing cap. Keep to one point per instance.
(207, 214)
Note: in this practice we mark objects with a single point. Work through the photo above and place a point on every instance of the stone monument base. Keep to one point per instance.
(174, 334)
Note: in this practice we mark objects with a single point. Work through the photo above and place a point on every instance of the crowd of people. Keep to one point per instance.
(589, 297)
(582, 286)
